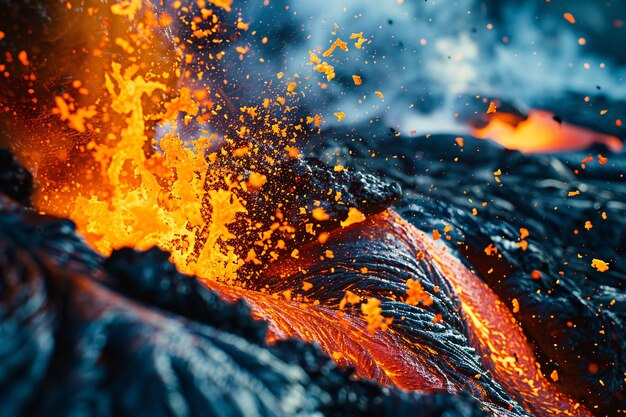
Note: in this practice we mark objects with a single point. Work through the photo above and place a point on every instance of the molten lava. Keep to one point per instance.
(158, 201)
(395, 356)
(540, 132)
(174, 193)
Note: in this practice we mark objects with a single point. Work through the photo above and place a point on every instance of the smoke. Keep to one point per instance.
(546, 55)
(434, 62)
(418, 56)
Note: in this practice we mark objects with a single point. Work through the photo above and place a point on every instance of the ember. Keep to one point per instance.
(210, 207)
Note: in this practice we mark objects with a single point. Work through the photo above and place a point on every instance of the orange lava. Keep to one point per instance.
(389, 357)
(110, 178)
(381, 357)
(505, 349)
(540, 133)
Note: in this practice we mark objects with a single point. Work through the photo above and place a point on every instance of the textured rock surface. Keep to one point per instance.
(573, 313)
(129, 335)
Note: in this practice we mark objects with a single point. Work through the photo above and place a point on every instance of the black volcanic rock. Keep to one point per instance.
(150, 277)
(15, 180)
(573, 313)
(294, 189)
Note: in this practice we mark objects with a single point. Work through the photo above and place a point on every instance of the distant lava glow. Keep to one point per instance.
(540, 132)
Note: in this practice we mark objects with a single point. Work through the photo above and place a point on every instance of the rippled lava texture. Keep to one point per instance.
(572, 313)
(129, 335)
(84, 335)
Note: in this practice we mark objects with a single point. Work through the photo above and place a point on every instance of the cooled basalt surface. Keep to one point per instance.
(571, 312)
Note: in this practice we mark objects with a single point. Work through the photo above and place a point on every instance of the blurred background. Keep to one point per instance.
(438, 64)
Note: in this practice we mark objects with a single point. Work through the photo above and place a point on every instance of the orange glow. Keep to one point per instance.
(155, 200)
(122, 188)
(541, 133)
(569, 17)
(381, 357)
(388, 356)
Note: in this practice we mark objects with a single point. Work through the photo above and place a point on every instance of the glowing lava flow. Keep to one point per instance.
(345, 338)
(540, 132)
(506, 350)
(141, 198)
(391, 356)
